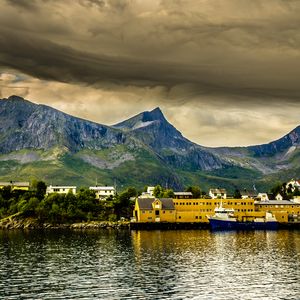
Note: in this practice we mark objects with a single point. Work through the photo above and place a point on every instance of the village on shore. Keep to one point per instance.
(157, 205)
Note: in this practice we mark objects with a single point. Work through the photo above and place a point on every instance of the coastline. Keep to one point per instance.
(30, 223)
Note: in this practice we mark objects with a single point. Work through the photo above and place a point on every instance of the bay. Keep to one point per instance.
(182, 264)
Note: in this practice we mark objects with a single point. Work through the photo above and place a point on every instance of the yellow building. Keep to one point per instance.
(284, 210)
(197, 210)
(154, 210)
(16, 185)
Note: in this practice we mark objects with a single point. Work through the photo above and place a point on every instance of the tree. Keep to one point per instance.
(237, 194)
(131, 192)
(169, 193)
(279, 188)
(195, 190)
(157, 192)
(6, 192)
(41, 188)
(296, 192)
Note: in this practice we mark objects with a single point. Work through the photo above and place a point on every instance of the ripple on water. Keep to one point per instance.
(150, 265)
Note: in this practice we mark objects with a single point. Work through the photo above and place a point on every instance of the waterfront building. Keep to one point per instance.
(284, 210)
(183, 195)
(60, 189)
(217, 193)
(16, 185)
(103, 192)
(154, 210)
(198, 210)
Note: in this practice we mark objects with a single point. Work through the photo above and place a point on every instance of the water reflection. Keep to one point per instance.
(194, 264)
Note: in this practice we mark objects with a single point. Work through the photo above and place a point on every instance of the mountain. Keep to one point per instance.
(284, 146)
(157, 133)
(37, 141)
(25, 125)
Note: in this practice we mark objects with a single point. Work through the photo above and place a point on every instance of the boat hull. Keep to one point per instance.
(217, 224)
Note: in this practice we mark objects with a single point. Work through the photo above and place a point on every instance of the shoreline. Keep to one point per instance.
(31, 224)
(13, 224)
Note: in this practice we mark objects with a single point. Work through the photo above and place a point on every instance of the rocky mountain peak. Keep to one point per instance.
(143, 120)
(15, 98)
(155, 114)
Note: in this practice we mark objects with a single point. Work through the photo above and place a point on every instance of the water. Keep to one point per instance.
(195, 264)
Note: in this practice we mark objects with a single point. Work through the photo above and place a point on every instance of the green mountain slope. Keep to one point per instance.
(39, 142)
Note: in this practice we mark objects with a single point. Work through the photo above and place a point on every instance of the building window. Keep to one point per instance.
(196, 217)
(179, 217)
(164, 211)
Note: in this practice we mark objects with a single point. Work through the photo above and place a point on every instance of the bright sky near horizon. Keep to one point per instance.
(224, 73)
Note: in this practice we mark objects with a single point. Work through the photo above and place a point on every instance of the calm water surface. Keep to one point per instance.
(194, 264)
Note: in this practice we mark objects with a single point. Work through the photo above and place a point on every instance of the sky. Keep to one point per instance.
(224, 72)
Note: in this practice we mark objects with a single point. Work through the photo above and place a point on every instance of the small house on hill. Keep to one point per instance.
(60, 189)
(103, 192)
(248, 194)
(217, 193)
(263, 197)
(16, 185)
(293, 184)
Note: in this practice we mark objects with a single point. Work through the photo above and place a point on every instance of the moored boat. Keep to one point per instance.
(224, 219)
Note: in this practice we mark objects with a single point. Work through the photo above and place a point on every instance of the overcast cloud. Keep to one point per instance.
(225, 72)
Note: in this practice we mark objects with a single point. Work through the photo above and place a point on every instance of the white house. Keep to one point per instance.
(60, 189)
(103, 192)
(263, 196)
(149, 193)
(279, 197)
(218, 193)
(150, 190)
(248, 194)
(293, 184)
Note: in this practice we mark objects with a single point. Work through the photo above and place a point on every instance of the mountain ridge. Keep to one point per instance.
(145, 143)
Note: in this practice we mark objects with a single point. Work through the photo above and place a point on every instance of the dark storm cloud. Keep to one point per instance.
(248, 48)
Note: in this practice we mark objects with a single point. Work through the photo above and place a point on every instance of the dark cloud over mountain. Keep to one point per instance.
(234, 53)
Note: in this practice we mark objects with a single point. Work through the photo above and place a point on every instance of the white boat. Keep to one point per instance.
(224, 219)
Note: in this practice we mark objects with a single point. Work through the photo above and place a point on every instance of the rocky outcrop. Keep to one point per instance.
(30, 223)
